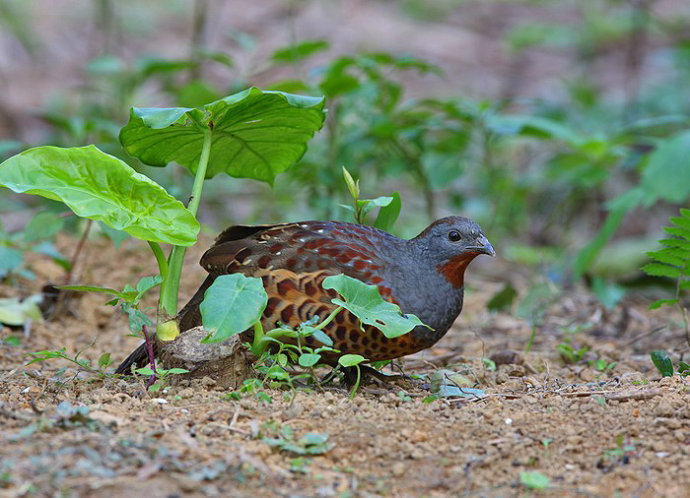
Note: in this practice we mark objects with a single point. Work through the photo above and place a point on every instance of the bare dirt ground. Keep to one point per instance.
(624, 431)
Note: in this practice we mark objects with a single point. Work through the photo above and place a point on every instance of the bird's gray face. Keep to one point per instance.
(452, 243)
(455, 235)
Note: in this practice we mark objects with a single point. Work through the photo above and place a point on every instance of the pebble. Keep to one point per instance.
(398, 469)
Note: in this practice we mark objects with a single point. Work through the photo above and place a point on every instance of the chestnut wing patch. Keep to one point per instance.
(298, 247)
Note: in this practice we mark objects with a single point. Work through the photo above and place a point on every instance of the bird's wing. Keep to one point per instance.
(301, 248)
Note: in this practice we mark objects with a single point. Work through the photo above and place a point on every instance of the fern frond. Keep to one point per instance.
(669, 256)
(661, 270)
(673, 259)
(662, 302)
(681, 221)
(679, 243)
(678, 232)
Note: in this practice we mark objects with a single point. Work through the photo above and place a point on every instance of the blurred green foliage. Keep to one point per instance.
(558, 177)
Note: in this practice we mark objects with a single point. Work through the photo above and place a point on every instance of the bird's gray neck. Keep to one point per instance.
(427, 294)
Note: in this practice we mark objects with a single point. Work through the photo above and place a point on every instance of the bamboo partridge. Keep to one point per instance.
(423, 276)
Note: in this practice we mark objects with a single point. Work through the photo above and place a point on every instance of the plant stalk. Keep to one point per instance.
(356, 386)
(329, 318)
(160, 259)
(171, 283)
(257, 344)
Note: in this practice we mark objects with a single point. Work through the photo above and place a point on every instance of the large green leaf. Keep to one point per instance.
(667, 175)
(232, 305)
(255, 134)
(367, 304)
(101, 187)
(533, 126)
(15, 312)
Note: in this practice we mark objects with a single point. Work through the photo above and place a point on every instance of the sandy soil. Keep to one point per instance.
(593, 433)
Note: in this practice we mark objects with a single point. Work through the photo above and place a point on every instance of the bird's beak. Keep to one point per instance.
(483, 246)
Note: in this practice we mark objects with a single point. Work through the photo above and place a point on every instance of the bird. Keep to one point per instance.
(424, 276)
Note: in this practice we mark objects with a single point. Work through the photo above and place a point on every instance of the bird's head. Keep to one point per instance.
(451, 244)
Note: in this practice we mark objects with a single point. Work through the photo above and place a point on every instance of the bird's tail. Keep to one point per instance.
(139, 358)
(188, 318)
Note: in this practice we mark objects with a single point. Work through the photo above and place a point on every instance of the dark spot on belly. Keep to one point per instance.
(340, 333)
(271, 306)
(285, 286)
(310, 288)
(287, 313)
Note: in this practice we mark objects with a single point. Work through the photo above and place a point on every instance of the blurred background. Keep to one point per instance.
(560, 126)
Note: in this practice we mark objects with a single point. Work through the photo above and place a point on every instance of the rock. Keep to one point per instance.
(227, 363)
(507, 357)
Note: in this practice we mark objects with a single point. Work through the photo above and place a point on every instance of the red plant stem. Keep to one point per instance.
(152, 358)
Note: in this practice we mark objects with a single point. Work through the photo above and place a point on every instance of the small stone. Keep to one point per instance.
(664, 409)
(507, 357)
(398, 469)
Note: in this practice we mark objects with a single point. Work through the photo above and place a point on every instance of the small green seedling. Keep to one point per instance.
(389, 206)
(601, 365)
(353, 360)
(569, 353)
(160, 374)
(284, 440)
(534, 480)
(103, 363)
(665, 366)
(621, 453)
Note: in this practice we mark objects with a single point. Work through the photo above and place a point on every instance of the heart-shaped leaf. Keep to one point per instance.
(255, 134)
(367, 304)
(101, 187)
(350, 360)
(231, 305)
(667, 175)
(309, 359)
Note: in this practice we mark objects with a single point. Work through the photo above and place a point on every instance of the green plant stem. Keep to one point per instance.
(200, 172)
(258, 345)
(531, 337)
(329, 318)
(160, 258)
(356, 386)
(171, 283)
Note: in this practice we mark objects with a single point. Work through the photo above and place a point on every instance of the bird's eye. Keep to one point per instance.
(454, 236)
